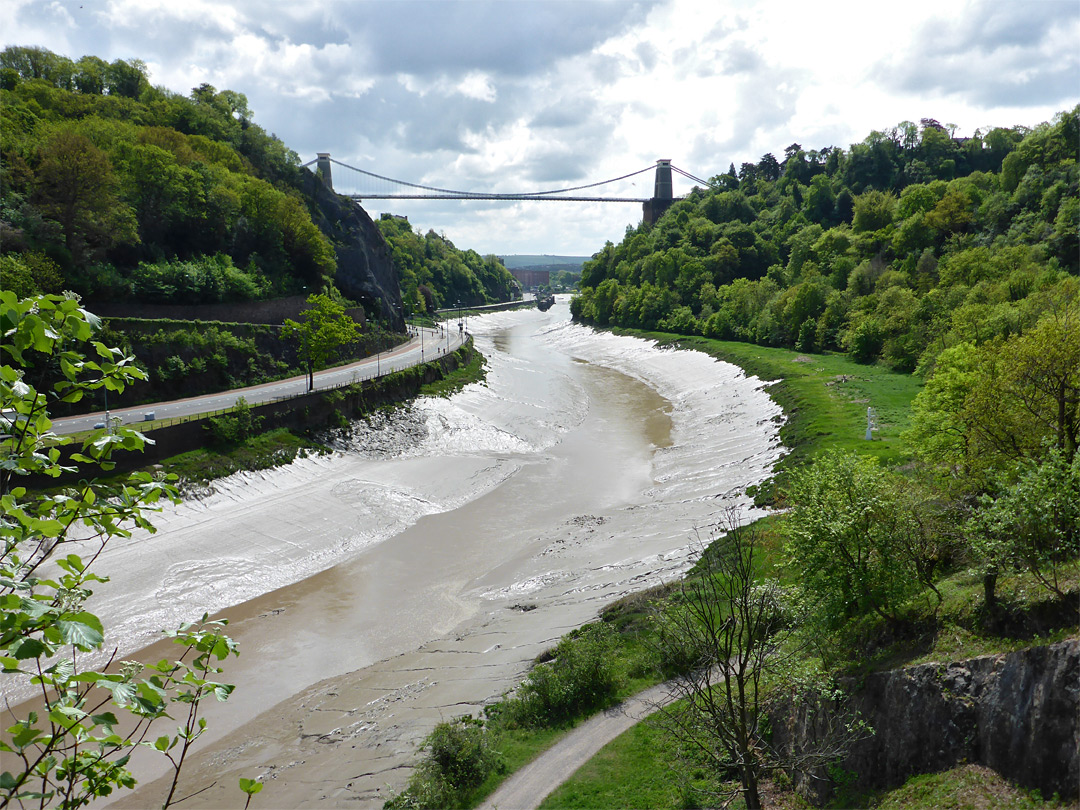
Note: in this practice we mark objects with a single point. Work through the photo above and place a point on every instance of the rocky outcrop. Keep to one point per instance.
(1015, 713)
(365, 270)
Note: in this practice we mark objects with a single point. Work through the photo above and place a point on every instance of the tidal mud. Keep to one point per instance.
(414, 575)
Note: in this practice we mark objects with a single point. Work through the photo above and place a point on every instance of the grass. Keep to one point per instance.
(274, 448)
(969, 787)
(473, 371)
(637, 769)
(824, 396)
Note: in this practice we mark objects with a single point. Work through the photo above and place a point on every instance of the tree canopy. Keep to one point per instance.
(108, 176)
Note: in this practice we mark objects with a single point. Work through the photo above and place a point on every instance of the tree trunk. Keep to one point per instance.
(750, 789)
(990, 591)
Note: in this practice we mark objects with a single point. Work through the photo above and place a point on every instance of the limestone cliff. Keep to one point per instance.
(1015, 713)
(365, 270)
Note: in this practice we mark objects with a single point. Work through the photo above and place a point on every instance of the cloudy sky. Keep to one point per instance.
(524, 95)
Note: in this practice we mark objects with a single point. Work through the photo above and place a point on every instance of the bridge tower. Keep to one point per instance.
(322, 169)
(663, 195)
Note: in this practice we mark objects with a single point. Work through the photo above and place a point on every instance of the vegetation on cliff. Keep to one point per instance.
(117, 189)
(434, 274)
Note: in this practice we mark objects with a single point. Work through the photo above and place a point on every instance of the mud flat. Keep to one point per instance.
(413, 576)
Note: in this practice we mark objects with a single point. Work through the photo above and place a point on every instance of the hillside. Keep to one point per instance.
(892, 250)
(126, 192)
(433, 273)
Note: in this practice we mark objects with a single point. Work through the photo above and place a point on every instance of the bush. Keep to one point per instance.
(235, 426)
(580, 679)
(458, 758)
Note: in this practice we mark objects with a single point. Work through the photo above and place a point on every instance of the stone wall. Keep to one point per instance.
(1015, 713)
(274, 311)
(304, 414)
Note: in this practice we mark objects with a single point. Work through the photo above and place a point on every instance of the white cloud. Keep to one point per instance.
(517, 96)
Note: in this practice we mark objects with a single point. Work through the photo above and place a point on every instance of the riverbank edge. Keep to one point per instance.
(800, 435)
(295, 422)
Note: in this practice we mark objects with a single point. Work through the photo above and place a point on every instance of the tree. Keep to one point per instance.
(986, 407)
(76, 187)
(1033, 524)
(324, 331)
(78, 748)
(873, 211)
(732, 640)
(843, 537)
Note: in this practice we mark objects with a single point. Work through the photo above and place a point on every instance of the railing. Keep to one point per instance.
(356, 377)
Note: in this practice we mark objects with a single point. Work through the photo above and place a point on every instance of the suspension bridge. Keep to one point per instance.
(372, 186)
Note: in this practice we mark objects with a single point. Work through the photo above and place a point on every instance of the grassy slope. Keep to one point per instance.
(825, 399)
(824, 396)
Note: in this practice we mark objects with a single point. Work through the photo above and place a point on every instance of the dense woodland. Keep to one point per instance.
(435, 274)
(117, 189)
(904, 244)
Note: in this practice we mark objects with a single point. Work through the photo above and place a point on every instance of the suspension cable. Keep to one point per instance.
(689, 176)
(483, 194)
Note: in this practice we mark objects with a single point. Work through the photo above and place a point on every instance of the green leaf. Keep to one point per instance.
(122, 693)
(164, 743)
(250, 786)
(83, 631)
(30, 648)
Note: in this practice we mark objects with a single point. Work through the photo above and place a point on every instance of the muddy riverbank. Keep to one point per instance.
(414, 575)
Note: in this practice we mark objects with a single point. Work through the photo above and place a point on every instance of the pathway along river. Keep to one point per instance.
(415, 574)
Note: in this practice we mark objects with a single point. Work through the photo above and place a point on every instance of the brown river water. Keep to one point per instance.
(413, 575)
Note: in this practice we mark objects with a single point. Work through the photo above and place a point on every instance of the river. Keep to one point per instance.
(415, 573)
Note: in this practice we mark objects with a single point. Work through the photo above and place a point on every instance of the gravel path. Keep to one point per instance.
(531, 785)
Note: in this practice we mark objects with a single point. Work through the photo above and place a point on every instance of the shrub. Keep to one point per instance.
(235, 426)
(458, 757)
(580, 678)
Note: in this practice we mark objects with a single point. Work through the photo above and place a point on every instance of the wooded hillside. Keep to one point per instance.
(902, 245)
(117, 189)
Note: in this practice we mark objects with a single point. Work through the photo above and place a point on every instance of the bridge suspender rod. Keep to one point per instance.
(689, 176)
(481, 195)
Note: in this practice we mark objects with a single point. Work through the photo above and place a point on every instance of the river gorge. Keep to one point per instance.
(415, 573)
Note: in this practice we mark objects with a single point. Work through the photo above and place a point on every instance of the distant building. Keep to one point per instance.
(529, 278)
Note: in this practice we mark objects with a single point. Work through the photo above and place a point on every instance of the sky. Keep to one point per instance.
(525, 95)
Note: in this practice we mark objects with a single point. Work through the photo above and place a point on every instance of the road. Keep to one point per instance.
(425, 345)
(527, 788)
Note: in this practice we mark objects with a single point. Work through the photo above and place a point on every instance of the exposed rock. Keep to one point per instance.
(1015, 713)
(365, 270)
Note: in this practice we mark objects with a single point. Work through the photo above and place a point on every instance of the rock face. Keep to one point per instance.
(1015, 713)
(365, 270)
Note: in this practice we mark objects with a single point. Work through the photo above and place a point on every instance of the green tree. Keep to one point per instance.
(76, 186)
(873, 210)
(842, 538)
(78, 747)
(733, 641)
(1033, 524)
(323, 332)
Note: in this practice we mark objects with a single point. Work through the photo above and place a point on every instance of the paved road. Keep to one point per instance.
(532, 784)
(426, 344)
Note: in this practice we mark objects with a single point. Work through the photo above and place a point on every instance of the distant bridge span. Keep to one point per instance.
(652, 207)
